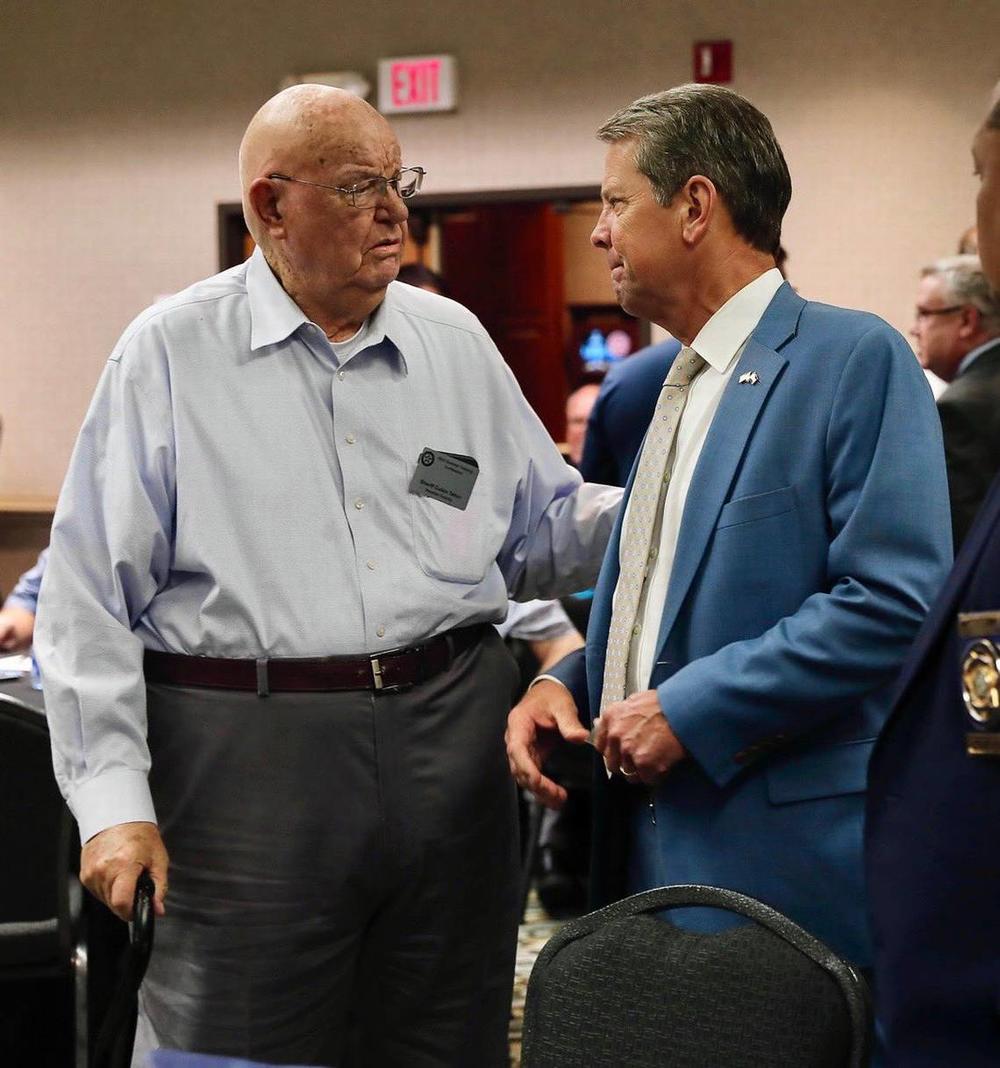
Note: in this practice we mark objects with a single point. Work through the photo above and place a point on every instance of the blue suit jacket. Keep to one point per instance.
(933, 840)
(815, 534)
(621, 413)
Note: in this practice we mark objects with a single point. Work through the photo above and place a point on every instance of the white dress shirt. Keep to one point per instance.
(240, 489)
(720, 342)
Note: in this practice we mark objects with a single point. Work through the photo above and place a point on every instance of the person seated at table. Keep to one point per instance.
(17, 617)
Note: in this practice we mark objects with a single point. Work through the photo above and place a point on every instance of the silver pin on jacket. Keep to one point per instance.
(751, 378)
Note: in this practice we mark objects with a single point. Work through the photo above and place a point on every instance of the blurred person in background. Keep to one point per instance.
(968, 243)
(578, 408)
(957, 330)
(17, 617)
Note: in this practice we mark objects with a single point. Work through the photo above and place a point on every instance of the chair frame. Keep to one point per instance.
(850, 981)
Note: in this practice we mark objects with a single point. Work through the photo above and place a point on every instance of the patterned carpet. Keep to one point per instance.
(533, 933)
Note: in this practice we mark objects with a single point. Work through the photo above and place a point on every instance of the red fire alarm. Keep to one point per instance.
(713, 62)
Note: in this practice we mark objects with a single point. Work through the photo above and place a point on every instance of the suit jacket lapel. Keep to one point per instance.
(724, 446)
(727, 439)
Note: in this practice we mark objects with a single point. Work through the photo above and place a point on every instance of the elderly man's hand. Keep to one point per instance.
(112, 861)
(17, 625)
(636, 740)
(546, 714)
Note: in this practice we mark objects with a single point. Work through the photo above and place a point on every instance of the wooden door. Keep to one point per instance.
(505, 263)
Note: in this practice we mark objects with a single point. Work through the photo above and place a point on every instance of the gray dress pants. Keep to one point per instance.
(343, 878)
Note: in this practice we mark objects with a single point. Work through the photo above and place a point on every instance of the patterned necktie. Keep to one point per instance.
(640, 536)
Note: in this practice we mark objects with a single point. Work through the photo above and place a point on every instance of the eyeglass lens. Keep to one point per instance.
(406, 183)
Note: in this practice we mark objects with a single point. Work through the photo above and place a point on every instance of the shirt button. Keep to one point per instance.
(359, 504)
(350, 439)
(370, 565)
(380, 631)
(637, 629)
(340, 375)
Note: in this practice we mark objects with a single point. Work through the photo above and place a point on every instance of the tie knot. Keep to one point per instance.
(687, 363)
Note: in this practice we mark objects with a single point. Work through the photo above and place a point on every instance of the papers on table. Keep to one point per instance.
(13, 667)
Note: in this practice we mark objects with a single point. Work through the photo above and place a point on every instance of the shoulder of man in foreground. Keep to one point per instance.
(420, 305)
(186, 305)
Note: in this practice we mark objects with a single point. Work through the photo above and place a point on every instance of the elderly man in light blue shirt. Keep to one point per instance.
(301, 495)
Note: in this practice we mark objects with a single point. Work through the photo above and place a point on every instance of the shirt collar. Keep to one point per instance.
(971, 357)
(274, 316)
(720, 339)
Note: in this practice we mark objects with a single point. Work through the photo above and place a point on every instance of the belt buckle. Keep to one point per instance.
(381, 686)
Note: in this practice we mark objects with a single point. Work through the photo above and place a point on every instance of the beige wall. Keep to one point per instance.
(119, 123)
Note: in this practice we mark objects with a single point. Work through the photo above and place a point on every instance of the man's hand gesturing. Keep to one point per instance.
(546, 714)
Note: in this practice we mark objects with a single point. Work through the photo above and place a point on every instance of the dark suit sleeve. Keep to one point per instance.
(598, 463)
(888, 552)
(970, 457)
(571, 671)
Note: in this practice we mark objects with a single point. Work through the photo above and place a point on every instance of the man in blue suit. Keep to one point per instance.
(785, 529)
(933, 834)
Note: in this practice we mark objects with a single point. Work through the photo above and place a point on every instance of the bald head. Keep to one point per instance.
(301, 131)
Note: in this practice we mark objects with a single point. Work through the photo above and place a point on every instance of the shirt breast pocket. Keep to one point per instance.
(454, 545)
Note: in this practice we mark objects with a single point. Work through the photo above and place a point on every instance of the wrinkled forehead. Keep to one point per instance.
(344, 141)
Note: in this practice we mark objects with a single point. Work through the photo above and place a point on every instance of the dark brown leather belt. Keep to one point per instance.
(396, 669)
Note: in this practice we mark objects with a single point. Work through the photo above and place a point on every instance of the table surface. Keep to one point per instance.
(20, 692)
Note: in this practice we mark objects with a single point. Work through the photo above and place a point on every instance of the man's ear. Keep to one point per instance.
(264, 196)
(971, 321)
(700, 203)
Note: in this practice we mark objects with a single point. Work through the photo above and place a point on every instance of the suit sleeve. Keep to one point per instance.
(969, 457)
(889, 550)
(571, 671)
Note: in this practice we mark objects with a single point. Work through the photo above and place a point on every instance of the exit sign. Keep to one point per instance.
(713, 62)
(417, 83)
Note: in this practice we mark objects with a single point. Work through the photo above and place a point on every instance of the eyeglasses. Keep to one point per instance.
(405, 182)
(926, 313)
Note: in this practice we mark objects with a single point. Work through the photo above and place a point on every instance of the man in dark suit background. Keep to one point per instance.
(933, 832)
(622, 411)
(957, 327)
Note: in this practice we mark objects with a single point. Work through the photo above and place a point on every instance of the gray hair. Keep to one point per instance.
(965, 283)
(710, 130)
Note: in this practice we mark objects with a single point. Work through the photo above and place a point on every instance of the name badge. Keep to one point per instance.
(445, 477)
(980, 634)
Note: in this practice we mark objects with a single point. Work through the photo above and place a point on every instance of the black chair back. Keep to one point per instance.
(622, 986)
(38, 839)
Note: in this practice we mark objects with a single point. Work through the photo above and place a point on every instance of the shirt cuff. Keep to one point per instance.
(15, 600)
(547, 678)
(120, 796)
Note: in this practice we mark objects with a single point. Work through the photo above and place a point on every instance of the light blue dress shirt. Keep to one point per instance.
(238, 491)
(25, 593)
